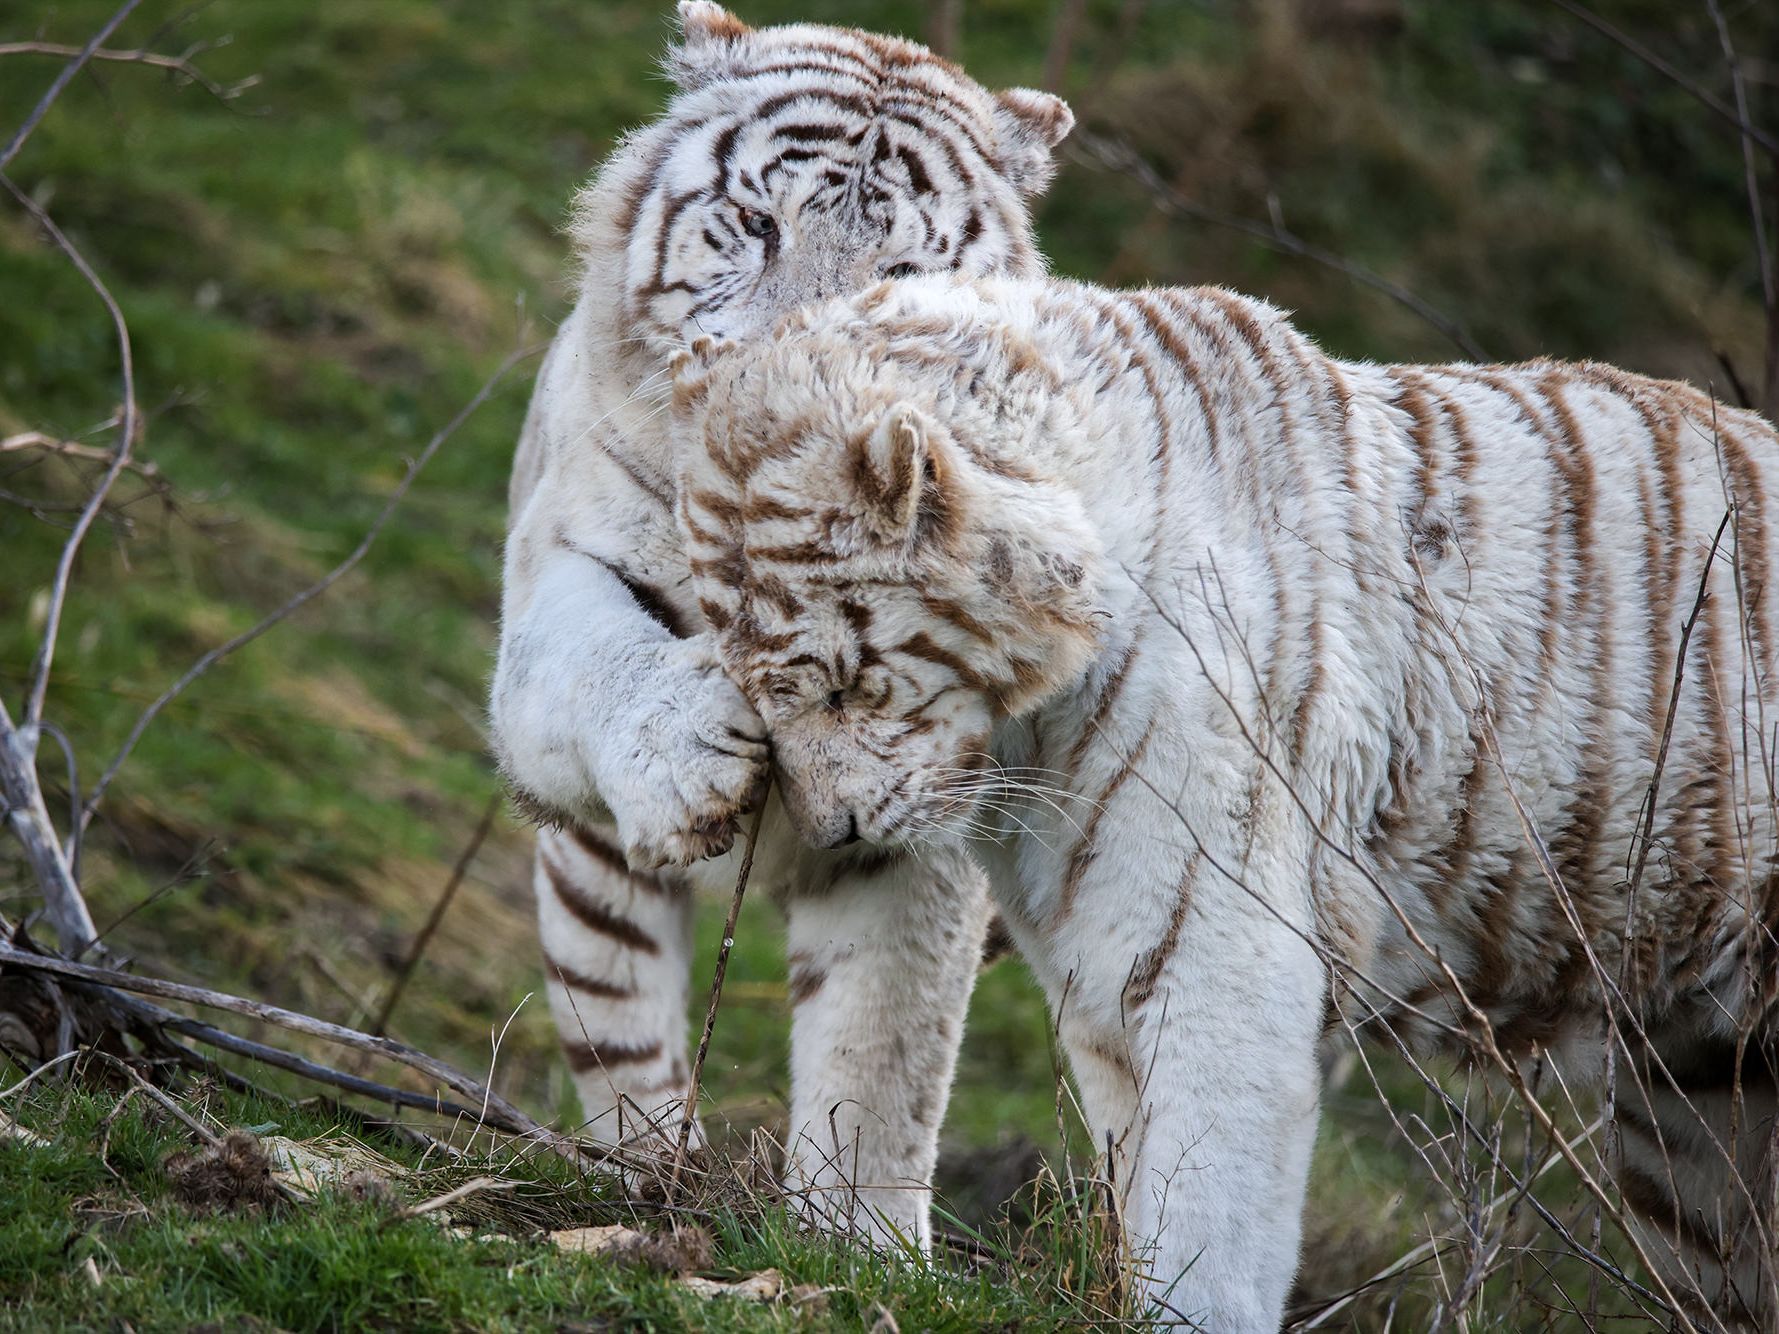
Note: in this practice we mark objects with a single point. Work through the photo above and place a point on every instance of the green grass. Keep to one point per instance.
(317, 274)
(97, 1201)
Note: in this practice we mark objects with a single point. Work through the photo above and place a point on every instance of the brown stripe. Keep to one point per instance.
(955, 613)
(593, 915)
(922, 645)
(1169, 337)
(1647, 1195)
(585, 1058)
(1575, 845)
(1146, 970)
(805, 978)
(609, 857)
(1751, 546)
(585, 982)
(1103, 709)
(1085, 847)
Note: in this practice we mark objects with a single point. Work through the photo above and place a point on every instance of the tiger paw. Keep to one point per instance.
(686, 762)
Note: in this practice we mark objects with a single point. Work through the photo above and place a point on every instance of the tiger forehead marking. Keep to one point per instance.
(803, 162)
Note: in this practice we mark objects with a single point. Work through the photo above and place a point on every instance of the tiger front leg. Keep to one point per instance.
(882, 962)
(1195, 1054)
(599, 712)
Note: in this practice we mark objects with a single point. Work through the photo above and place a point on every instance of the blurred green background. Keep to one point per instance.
(319, 271)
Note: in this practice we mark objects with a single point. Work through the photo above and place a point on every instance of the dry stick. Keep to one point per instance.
(180, 64)
(1750, 178)
(1115, 155)
(62, 80)
(308, 594)
(21, 798)
(297, 1065)
(381, 1022)
(1667, 71)
(716, 989)
(1063, 30)
(126, 436)
(430, 1066)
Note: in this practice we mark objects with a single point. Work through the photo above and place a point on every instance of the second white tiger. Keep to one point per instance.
(1308, 646)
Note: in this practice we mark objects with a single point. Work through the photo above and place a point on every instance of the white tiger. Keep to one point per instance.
(793, 163)
(1304, 641)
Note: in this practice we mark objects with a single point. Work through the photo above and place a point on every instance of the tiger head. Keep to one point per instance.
(801, 162)
(885, 581)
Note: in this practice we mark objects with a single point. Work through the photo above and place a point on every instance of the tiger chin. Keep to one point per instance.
(1248, 673)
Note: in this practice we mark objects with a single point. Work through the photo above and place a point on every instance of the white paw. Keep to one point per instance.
(687, 763)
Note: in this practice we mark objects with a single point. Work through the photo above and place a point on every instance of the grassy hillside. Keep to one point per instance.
(319, 271)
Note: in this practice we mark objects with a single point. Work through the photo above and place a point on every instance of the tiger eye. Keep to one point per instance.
(759, 224)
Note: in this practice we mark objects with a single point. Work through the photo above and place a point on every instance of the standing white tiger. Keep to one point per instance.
(792, 164)
(1297, 633)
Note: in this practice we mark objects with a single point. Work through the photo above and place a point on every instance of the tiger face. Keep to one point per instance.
(883, 600)
(802, 162)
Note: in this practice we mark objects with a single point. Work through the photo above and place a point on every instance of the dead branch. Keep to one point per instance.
(504, 1113)
(314, 590)
(1751, 180)
(120, 458)
(381, 1022)
(181, 64)
(61, 82)
(1063, 31)
(29, 819)
(1667, 70)
(1107, 154)
(73, 449)
(716, 986)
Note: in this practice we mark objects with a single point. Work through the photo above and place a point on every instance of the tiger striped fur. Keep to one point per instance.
(1298, 643)
(793, 163)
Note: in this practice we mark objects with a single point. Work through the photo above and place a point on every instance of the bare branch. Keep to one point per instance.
(716, 987)
(62, 81)
(1063, 31)
(120, 458)
(1623, 39)
(381, 1022)
(180, 64)
(309, 594)
(389, 1048)
(1114, 155)
(29, 818)
(1750, 178)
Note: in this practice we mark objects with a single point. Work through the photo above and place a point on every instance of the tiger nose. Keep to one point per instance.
(851, 834)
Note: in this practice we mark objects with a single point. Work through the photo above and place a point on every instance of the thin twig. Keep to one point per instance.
(179, 64)
(1115, 155)
(430, 1066)
(470, 1187)
(716, 987)
(62, 80)
(1750, 177)
(1668, 71)
(126, 438)
(314, 590)
(380, 1023)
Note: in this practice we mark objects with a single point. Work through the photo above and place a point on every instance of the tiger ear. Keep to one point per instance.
(894, 476)
(1029, 124)
(709, 35)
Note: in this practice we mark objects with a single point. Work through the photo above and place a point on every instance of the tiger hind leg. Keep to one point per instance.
(1698, 1170)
